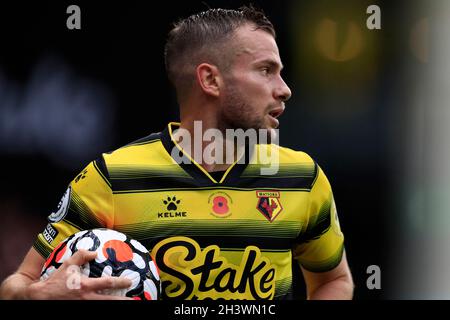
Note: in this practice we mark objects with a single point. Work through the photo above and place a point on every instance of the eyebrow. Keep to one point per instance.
(271, 63)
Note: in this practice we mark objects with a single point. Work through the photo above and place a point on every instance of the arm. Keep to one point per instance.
(94, 195)
(320, 250)
(336, 284)
(14, 287)
(25, 284)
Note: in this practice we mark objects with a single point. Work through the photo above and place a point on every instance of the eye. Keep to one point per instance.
(265, 70)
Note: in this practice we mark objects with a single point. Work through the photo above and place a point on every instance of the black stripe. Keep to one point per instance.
(216, 187)
(276, 183)
(148, 184)
(318, 224)
(41, 248)
(315, 175)
(100, 166)
(80, 215)
(204, 227)
(287, 296)
(132, 171)
(327, 265)
(238, 242)
(283, 289)
(300, 169)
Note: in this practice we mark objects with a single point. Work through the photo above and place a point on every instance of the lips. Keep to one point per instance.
(274, 114)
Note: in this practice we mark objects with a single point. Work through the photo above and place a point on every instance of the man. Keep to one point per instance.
(216, 229)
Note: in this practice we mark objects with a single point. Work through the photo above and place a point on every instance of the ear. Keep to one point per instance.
(208, 77)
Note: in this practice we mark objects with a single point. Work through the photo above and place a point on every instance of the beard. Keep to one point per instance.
(237, 113)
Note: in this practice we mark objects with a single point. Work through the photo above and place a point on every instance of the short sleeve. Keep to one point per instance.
(86, 204)
(320, 245)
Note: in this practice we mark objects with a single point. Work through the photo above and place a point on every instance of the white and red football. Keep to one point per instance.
(117, 256)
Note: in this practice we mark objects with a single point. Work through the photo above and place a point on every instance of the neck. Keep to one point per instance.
(210, 147)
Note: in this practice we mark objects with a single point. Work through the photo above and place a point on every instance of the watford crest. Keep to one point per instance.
(269, 204)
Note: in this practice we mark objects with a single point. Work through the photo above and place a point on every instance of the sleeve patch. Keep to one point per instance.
(62, 208)
(49, 233)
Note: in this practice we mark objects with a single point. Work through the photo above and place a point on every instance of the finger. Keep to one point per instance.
(81, 257)
(98, 296)
(95, 284)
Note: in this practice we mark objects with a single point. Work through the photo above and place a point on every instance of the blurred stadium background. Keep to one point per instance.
(369, 105)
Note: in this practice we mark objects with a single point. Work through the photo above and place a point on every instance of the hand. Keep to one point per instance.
(62, 285)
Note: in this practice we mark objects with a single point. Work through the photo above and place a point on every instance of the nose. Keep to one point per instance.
(282, 91)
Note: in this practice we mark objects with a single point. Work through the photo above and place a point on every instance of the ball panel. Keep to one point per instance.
(117, 250)
(117, 255)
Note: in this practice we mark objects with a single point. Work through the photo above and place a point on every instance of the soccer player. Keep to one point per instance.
(216, 229)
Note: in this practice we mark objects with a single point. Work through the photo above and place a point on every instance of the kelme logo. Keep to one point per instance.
(172, 205)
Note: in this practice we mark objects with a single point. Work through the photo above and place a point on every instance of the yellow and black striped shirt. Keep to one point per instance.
(232, 239)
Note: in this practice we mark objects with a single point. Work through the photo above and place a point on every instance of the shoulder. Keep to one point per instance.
(132, 155)
(289, 161)
(288, 155)
(135, 150)
(282, 167)
(303, 163)
(284, 154)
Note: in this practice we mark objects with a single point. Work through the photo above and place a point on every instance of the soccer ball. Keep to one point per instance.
(117, 256)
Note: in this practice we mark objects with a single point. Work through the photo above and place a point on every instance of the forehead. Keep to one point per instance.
(252, 46)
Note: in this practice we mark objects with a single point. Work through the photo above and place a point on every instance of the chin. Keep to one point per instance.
(268, 135)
